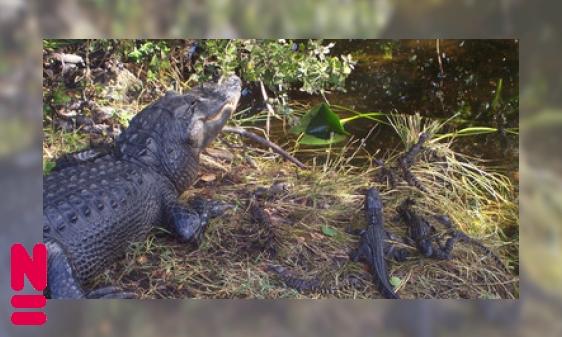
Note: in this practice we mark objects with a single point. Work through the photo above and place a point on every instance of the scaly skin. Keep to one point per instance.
(386, 175)
(411, 179)
(94, 208)
(372, 244)
(422, 234)
(463, 237)
(305, 286)
(408, 160)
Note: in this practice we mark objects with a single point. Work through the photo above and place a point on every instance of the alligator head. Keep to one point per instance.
(170, 134)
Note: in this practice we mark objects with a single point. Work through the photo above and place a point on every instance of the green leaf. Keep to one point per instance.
(311, 140)
(395, 281)
(135, 53)
(48, 167)
(154, 60)
(320, 123)
(329, 231)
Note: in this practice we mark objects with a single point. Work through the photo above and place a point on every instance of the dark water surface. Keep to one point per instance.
(405, 76)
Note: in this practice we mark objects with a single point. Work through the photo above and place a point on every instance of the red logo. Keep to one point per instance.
(36, 271)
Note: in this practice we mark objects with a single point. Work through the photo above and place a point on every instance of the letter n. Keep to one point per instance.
(34, 268)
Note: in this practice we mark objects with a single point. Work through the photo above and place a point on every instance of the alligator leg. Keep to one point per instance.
(191, 221)
(62, 280)
(444, 252)
(440, 252)
(188, 224)
(203, 209)
(391, 251)
(378, 269)
(425, 247)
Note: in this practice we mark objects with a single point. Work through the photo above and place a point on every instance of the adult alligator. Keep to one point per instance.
(93, 210)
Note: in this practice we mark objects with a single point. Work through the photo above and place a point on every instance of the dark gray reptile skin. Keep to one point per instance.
(372, 244)
(92, 211)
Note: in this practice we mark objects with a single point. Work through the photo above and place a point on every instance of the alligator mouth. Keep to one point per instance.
(226, 90)
(224, 113)
(214, 124)
(216, 104)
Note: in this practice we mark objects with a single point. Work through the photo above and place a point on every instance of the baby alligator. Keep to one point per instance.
(372, 244)
(463, 237)
(303, 286)
(422, 234)
(408, 160)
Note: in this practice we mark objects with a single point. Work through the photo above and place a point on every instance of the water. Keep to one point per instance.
(436, 79)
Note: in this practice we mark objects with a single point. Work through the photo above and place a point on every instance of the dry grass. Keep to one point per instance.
(230, 261)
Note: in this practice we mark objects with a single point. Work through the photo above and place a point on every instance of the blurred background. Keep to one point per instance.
(535, 23)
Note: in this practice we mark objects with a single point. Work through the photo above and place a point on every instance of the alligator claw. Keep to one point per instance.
(217, 208)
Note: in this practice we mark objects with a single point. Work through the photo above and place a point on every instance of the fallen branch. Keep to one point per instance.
(265, 142)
